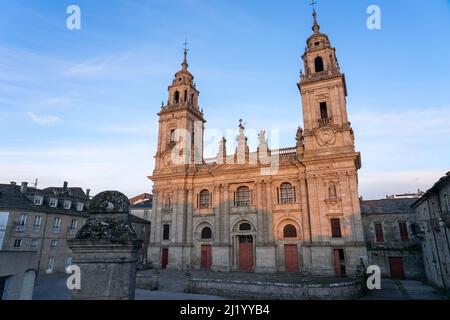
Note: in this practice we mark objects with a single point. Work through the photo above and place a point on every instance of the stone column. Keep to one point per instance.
(217, 215)
(105, 249)
(269, 215)
(226, 215)
(260, 215)
(190, 206)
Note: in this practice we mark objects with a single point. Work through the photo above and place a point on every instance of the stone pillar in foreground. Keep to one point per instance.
(105, 249)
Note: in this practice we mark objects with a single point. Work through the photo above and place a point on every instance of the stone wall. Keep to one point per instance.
(19, 269)
(275, 291)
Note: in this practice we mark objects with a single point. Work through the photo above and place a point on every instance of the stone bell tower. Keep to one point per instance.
(181, 123)
(324, 92)
(330, 161)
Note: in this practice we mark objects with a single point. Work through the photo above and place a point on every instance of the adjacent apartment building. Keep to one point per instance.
(42, 220)
(391, 243)
(433, 223)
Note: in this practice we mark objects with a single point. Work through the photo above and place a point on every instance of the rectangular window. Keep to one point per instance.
(23, 220)
(336, 228)
(403, 231)
(172, 135)
(17, 243)
(34, 243)
(67, 204)
(166, 232)
(73, 225)
(68, 263)
(54, 243)
(323, 111)
(38, 200)
(50, 264)
(56, 224)
(80, 206)
(379, 237)
(53, 203)
(37, 223)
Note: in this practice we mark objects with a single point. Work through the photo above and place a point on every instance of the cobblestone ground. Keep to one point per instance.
(405, 290)
(171, 287)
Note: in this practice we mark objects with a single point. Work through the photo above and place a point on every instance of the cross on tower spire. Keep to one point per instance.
(185, 64)
(316, 26)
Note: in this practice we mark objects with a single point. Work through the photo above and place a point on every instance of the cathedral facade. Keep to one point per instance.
(288, 210)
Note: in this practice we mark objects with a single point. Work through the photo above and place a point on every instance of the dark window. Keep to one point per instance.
(336, 228)
(206, 233)
(245, 227)
(317, 43)
(323, 110)
(318, 63)
(289, 231)
(166, 232)
(243, 197)
(286, 193)
(185, 95)
(379, 232)
(403, 231)
(204, 199)
(172, 135)
(177, 97)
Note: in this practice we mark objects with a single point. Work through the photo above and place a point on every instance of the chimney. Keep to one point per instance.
(88, 191)
(65, 185)
(13, 183)
(23, 187)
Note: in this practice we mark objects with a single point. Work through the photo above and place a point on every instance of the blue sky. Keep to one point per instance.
(80, 105)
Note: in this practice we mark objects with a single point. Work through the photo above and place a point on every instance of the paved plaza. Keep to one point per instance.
(171, 287)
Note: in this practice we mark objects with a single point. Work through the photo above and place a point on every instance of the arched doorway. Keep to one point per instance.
(289, 243)
(244, 246)
(206, 250)
(290, 250)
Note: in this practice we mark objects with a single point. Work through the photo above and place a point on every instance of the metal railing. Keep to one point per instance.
(325, 121)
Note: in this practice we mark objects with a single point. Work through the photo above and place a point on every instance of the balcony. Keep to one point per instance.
(325, 122)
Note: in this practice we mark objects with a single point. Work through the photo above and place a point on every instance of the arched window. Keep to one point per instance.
(204, 199)
(332, 194)
(318, 63)
(286, 193)
(289, 231)
(243, 197)
(206, 233)
(177, 96)
(245, 226)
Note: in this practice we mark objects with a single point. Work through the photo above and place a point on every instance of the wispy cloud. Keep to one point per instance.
(43, 120)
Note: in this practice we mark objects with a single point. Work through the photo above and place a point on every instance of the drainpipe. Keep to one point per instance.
(435, 244)
(43, 241)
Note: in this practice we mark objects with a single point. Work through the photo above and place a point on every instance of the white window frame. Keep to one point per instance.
(37, 222)
(50, 264)
(67, 204)
(57, 224)
(80, 206)
(53, 243)
(38, 200)
(23, 220)
(53, 203)
(73, 226)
